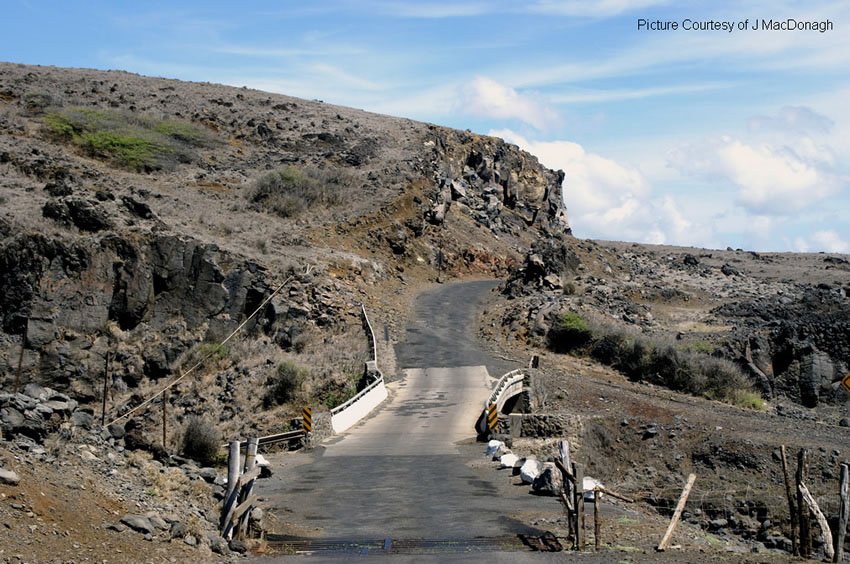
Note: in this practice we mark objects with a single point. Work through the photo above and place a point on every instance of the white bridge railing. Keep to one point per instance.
(356, 408)
(507, 387)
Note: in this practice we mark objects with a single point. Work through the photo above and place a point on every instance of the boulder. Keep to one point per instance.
(549, 481)
(9, 477)
(138, 523)
(493, 448)
(529, 470)
(509, 460)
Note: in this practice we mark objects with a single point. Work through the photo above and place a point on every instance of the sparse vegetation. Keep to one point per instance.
(288, 191)
(285, 384)
(201, 441)
(657, 362)
(570, 331)
(139, 143)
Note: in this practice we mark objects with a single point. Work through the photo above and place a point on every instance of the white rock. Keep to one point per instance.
(261, 460)
(9, 477)
(529, 470)
(509, 460)
(588, 485)
(88, 456)
(493, 447)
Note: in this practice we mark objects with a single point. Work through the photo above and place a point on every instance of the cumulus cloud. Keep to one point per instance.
(829, 241)
(607, 199)
(485, 97)
(781, 169)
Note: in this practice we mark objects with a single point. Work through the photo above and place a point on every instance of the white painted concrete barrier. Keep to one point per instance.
(359, 406)
(370, 397)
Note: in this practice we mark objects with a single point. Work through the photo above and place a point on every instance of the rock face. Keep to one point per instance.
(499, 186)
(113, 279)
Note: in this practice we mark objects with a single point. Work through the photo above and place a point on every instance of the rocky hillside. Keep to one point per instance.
(782, 319)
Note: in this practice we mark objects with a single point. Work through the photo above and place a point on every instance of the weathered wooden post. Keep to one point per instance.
(792, 509)
(825, 532)
(247, 490)
(578, 504)
(677, 514)
(597, 525)
(843, 512)
(802, 508)
(564, 464)
(232, 493)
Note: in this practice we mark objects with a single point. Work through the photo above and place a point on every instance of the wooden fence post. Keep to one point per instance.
(802, 508)
(248, 488)
(843, 512)
(578, 504)
(232, 493)
(597, 525)
(677, 514)
(564, 464)
(792, 510)
(825, 532)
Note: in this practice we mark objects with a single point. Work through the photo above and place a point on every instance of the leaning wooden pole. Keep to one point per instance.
(843, 512)
(677, 514)
(803, 510)
(825, 532)
(232, 493)
(248, 488)
(792, 509)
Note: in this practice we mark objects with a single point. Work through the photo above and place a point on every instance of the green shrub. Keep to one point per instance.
(569, 332)
(701, 347)
(286, 383)
(136, 142)
(288, 191)
(201, 441)
(657, 362)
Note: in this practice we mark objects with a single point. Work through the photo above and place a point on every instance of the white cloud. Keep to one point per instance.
(828, 241)
(485, 97)
(609, 200)
(787, 175)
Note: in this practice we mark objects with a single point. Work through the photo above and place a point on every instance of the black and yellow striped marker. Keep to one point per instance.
(307, 419)
(846, 382)
(492, 416)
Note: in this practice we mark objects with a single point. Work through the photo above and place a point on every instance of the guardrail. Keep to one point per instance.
(356, 408)
(505, 382)
(508, 386)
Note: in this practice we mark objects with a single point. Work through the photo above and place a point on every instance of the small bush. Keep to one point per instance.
(657, 362)
(286, 383)
(288, 191)
(201, 441)
(136, 142)
(569, 332)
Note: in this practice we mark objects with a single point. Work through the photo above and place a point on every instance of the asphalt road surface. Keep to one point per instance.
(404, 472)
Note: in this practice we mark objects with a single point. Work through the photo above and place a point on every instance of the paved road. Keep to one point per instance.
(405, 472)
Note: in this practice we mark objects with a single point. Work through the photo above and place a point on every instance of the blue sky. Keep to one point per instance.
(687, 137)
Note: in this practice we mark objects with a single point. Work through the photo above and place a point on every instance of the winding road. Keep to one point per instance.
(412, 469)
